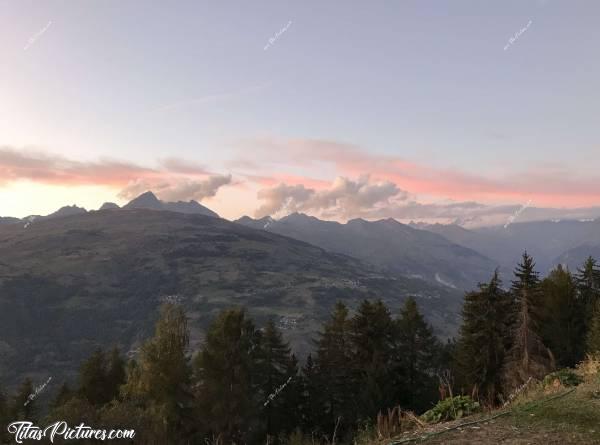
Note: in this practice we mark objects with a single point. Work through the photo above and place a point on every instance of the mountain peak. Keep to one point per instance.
(109, 206)
(148, 195)
(187, 207)
(148, 200)
(298, 217)
(357, 221)
(67, 211)
(262, 223)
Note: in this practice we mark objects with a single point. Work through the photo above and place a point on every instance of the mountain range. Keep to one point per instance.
(77, 279)
(567, 242)
(388, 244)
(70, 284)
(147, 200)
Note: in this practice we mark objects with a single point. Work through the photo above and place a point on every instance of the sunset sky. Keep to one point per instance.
(406, 109)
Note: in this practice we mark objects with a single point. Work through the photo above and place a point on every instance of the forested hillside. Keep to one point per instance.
(370, 371)
(71, 284)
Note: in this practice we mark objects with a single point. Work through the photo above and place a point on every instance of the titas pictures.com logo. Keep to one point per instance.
(24, 430)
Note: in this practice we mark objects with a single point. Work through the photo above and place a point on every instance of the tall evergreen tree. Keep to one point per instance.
(563, 323)
(593, 334)
(312, 402)
(417, 350)
(527, 355)
(276, 369)
(115, 373)
(588, 284)
(228, 384)
(372, 333)
(334, 377)
(92, 379)
(483, 337)
(24, 406)
(291, 398)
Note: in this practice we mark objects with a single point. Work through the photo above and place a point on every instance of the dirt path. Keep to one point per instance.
(505, 431)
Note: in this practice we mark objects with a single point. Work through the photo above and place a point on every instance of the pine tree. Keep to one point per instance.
(227, 374)
(24, 403)
(593, 334)
(588, 284)
(92, 379)
(115, 374)
(291, 398)
(312, 402)
(563, 324)
(416, 353)
(372, 333)
(482, 342)
(527, 355)
(276, 369)
(333, 362)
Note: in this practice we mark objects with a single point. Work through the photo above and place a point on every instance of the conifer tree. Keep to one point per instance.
(92, 379)
(563, 324)
(333, 362)
(588, 284)
(312, 402)
(527, 355)
(23, 403)
(276, 370)
(417, 350)
(228, 381)
(593, 334)
(291, 397)
(482, 340)
(372, 336)
(115, 374)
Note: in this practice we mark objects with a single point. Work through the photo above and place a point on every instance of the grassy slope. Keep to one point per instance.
(554, 416)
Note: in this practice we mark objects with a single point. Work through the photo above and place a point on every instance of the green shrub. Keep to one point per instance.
(450, 409)
(565, 376)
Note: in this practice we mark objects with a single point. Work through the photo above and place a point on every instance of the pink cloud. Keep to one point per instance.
(174, 179)
(546, 187)
(343, 197)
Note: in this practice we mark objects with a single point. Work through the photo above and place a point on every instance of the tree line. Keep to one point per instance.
(245, 385)
(528, 330)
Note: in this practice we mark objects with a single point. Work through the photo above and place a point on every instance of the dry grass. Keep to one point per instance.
(538, 415)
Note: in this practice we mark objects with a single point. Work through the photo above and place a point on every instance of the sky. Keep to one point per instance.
(452, 111)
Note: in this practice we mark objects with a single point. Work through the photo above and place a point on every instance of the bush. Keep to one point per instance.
(566, 377)
(450, 409)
